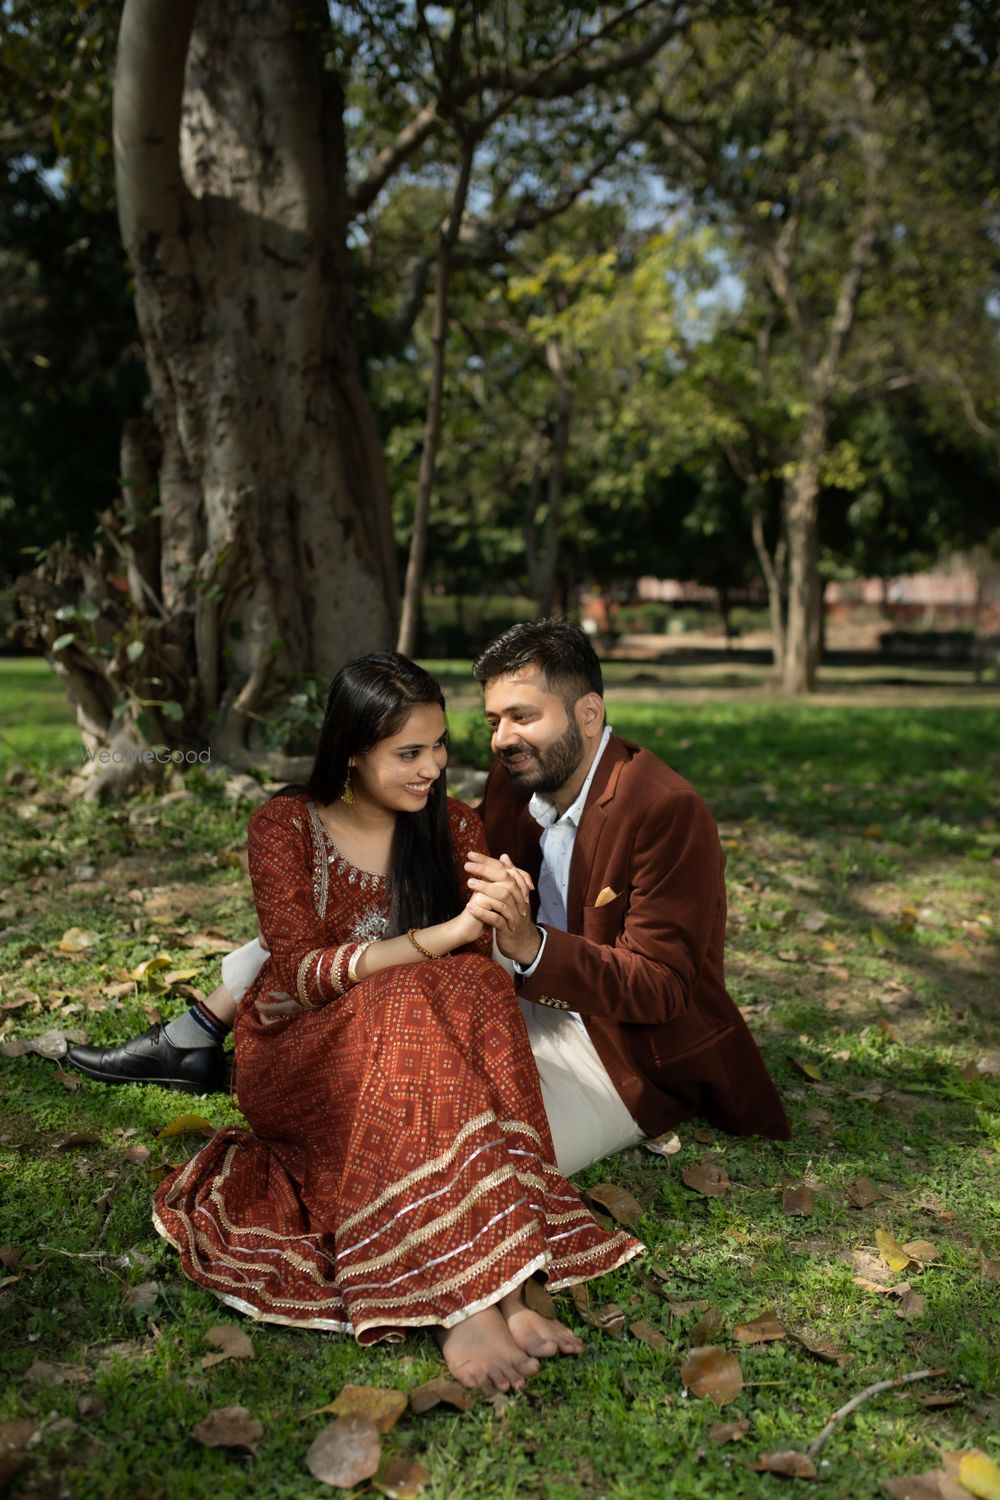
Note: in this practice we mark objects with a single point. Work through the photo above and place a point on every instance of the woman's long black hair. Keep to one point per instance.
(369, 700)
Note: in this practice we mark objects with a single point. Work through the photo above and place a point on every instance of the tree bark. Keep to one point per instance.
(805, 594)
(277, 553)
(545, 572)
(773, 569)
(410, 615)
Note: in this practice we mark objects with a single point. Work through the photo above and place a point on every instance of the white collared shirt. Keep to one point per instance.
(557, 842)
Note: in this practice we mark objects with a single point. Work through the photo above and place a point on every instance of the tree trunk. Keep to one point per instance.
(410, 616)
(546, 569)
(805, 594)
(276, 556)
(773, 569)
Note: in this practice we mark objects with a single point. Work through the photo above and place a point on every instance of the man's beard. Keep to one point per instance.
(554, 765)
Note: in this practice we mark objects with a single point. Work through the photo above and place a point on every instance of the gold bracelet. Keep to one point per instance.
(352, 967)
(419, 946)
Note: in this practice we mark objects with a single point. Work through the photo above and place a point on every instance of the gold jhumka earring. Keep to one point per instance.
(347, 791)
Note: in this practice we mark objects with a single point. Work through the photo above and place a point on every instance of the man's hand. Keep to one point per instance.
(501, 898)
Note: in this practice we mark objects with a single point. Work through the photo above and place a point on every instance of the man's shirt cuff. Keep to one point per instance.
(527, 973)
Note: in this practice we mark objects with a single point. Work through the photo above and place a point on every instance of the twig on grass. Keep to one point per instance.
(855, 1402)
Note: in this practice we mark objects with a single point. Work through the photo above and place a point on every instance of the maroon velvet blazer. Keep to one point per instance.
(645, 969)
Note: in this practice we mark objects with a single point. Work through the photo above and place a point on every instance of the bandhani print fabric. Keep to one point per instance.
(399, 1169)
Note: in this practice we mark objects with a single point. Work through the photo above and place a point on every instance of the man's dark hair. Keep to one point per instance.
(557, 647)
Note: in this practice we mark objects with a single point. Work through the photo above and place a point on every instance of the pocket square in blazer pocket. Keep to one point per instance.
(605, 896)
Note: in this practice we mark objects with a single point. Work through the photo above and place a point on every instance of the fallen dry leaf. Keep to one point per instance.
(70, 1081)
(142, 1298)
(713, 1372)
(44, 1373)
(709, 1177)
(921, 1250)
(186, 1125)
(822, 1350)
(345, 1452)
(911, 1306)
(989, 1268)
(728, 1432)
(703, 1137)
(797, 1201)
(664, 1145)
(936, 1399)
(618, 1201)
(708, 1327)
(229, 1427)
(441, 1390)
(807, 1069)
(15, 1434)
(609, 1318)
(76, 939)
(916, 1486)
(763, 1329)
(644, 1331)
(862, 1192)
(73, 1139)
(137, 1154)
(979, 1475)
(399, 1478)
(379, 1404)
(538, 1299)
(891, 1251)
(791, 1463)
(91, 1406)
(684, 1309)
(232, 1343)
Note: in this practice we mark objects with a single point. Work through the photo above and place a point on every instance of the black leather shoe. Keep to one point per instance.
(150, 1058)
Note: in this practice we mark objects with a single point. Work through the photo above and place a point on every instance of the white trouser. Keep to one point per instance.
(585, 1112)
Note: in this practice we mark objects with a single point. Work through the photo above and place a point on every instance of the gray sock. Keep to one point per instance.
(185, 1031)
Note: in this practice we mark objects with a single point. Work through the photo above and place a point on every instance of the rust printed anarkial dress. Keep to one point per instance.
(399, 1168)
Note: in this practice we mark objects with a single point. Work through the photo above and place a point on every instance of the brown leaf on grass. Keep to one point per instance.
(681, 1308)
(11, 1256)
(618, 1201)
(538, 1299)
(610, 1318)
(926, 1486)
(797, 1201)
(892, 1032)
(807, 1069)
(822, 1350)
(791, 1463)
(399, 1478)
(728, 1432)
(911, 1306)
(186, 1125)
(15, 1434)
(935, 1400)
(70, 1081)
(120, 988)
(709, 1177)
(644, 1331)
(763, 1329)
(703, 1137)
(229, 1427)
(77, 939)
(922, 1251)
(989, 1268)
(379, 1404)
(91, 1406)
(345, 1452)
(209, 942)
(713, 1372)
(41, 1372)
(137, 1154)
(142, 1298)
(664, 1145)
(708, 1327)
(862, 1192)
(440, 1391)
(232, 1343)
(71, 1140)
(20, 997)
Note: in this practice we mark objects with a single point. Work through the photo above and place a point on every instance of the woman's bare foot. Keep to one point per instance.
(480, 1349)
(535, 1334)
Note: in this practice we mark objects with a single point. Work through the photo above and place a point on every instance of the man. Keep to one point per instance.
(619, 963)
(618, 956)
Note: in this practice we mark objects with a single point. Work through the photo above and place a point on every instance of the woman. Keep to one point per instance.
(400, 1169)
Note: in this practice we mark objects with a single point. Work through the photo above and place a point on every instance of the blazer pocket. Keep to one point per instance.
(602, 924)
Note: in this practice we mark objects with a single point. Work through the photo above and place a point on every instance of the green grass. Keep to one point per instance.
(862, 844)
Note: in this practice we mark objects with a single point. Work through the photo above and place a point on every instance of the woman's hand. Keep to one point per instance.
(501, 898)
(276, 1007)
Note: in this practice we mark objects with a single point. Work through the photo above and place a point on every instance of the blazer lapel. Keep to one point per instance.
(592, 826)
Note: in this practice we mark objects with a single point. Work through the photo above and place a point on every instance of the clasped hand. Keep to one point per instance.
(501, 899)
